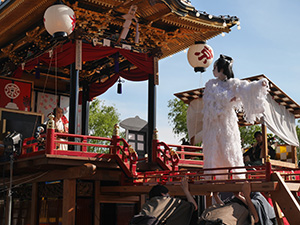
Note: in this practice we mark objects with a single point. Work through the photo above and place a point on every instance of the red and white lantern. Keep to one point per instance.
(59, 20)
(200, 56)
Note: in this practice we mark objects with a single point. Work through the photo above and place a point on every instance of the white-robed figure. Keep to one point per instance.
(223, 97)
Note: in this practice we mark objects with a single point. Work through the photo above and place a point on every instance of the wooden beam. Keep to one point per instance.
(109, 175)
(69, 202)
(158, 15)
(293, 186)
(282, 164)
(286, 200)
(34, 204)
(119, 199)
(84, 171)
(195, 189)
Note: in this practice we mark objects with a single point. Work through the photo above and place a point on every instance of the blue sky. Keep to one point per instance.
(268, 43)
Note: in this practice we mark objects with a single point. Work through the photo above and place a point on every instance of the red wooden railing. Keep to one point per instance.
(118, 148)
(201, 176)
(164, 155)
(189, 155)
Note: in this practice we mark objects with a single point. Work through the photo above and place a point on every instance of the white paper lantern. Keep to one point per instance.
(59, 20)
(200, 56)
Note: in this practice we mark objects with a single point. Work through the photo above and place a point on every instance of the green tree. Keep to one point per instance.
(247, 135)
(102, 119)
(177, 117)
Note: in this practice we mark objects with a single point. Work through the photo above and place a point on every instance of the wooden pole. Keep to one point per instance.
(97, 203)
(85, 108)
(294, 156)
(265, 143)
(74, 95)
(69, 202)
(34, 205)
(141, 202)
(7, 214)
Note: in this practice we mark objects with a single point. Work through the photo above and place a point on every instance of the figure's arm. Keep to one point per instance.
(253, 96)
(247, 190)
(217, 198)
(185, 188)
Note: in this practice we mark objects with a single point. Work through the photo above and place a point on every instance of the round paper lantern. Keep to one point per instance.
(200, 56)
(59, 20)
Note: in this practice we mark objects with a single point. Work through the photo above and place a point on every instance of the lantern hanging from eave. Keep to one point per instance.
(59, 20)
(200, 56)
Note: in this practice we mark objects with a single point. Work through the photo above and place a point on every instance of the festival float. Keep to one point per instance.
(66, 53)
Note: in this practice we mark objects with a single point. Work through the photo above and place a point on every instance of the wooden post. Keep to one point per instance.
(69, 202)
(151, 113)
(278, 213)
(115, 143)
(34, 204)
(73, 102)
(268, 169)
(265, 143)
(294, 156)
(85, 108)
(208, 201)
(141, 202)
(7, 214)
(97, 203)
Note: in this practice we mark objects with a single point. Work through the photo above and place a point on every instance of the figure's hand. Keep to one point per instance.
(264, 83)
(185, 183)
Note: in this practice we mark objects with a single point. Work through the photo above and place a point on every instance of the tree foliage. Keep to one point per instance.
(247, 135)
(177, 117)
(102, 119)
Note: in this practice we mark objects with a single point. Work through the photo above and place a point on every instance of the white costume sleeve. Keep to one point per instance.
(253, 97)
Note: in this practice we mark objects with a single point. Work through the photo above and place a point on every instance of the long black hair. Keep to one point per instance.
(225, 63)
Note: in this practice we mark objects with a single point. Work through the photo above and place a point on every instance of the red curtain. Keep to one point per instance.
(64, 55)
(132, 75)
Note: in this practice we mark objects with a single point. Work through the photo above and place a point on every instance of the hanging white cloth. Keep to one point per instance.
(281, 122)
(194, 120)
